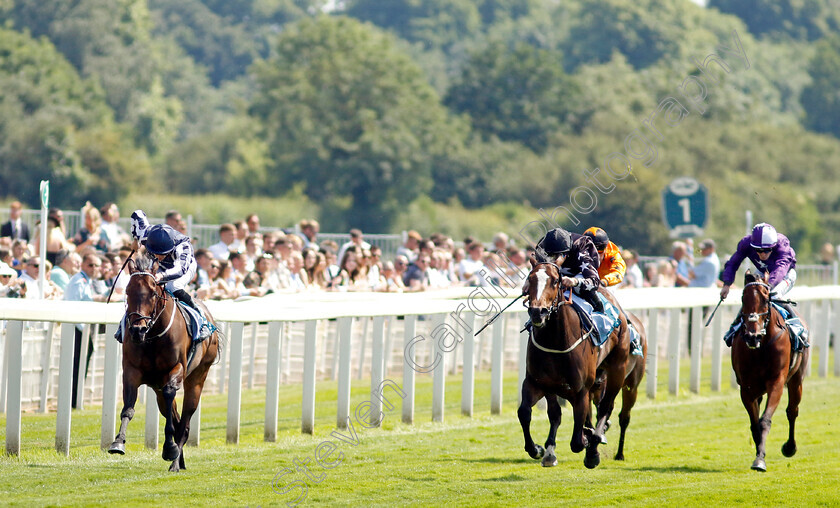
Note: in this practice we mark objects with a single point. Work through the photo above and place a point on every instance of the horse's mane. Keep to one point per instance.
(143, 263)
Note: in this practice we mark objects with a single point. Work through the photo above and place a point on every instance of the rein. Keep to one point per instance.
(555, 304)
(754, 316)
(157, 315)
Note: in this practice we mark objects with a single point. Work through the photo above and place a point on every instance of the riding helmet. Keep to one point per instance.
(764, 236)
(599, 237)
(159, 240)
(557, 241)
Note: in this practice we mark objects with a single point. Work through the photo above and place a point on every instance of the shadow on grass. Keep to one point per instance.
(678, 469)
(497, 460)
(506, 478)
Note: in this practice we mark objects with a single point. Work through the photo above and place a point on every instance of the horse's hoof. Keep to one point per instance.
(171, 453)
(619, 456)
(549, 461)
(759, 465)
(592, 461)
(540, 452)
(174, 467)
(117, 448)
(603, 439)
(789, 449)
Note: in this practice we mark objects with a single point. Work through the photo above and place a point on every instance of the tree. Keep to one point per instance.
(520, 94)
(820, 99)
(56, 126)
(352, 117)
(436, 23)
(781, 19)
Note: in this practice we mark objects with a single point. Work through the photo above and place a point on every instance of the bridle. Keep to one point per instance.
(556, 303)
(753, 317)
(157, 310)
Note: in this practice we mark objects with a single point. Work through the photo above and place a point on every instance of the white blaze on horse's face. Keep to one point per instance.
(542, 281)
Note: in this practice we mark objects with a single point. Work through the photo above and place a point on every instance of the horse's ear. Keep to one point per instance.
(748, 276)
(130, 266)
(766, 277)
(532, 261)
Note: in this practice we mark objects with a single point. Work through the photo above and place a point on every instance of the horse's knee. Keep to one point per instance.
(169, 391)
(792, 413)
(524, 413)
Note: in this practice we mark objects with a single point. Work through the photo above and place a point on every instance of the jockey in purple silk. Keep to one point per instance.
(770, 252)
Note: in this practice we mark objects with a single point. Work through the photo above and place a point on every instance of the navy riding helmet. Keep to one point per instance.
(160, 240)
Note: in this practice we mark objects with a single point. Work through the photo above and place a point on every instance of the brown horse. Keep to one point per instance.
(764, 363)
(157, 352)
(563, 362)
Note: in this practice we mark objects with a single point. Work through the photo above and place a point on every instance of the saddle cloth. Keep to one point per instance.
(193, 318)
(604, 323)
(797, 329)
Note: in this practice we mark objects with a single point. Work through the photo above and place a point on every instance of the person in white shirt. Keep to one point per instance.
(707, 270)
(633, 277)
(355, 239)
(222, 250)
(469, 269)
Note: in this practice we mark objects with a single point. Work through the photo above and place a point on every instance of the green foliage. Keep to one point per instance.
(517, 94)
(346, 113)
(55, 126)
(225, 49)
(275, 212)
(820, 99)
(436, 23)
(783, 19)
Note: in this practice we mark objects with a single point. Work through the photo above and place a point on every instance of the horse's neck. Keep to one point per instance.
(564, 325)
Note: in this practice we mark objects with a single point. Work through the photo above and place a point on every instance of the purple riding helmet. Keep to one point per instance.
(764, 236)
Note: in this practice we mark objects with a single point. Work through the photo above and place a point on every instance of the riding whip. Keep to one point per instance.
(497, 315)
(111, 292)
(713, 312)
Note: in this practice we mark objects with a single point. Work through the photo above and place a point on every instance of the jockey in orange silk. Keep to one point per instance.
(612, 266)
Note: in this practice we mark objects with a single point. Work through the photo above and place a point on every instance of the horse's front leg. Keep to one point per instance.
(794, 398)
(762, 429)
(131, 382)
(554, 415)
(169, 410)
(530, 395)
(580, 406)
(192, 395)
(753, 406)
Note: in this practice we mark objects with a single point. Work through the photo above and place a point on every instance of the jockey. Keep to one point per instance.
(176, 261)
(611, 271)
(771, 253)
(577, 258)
(611, 265)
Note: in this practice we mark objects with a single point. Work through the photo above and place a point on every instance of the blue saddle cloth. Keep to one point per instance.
(797, 339)
(604, 323)
(194, 320)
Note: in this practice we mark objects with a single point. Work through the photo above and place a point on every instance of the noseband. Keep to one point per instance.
(157, 311)
(557, 302)
(753, 317)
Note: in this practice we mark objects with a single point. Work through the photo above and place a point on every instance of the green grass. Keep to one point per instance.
(681, 451)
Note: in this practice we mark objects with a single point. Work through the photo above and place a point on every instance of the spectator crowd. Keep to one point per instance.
(250, 261)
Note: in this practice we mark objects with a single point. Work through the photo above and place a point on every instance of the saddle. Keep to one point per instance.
(603, 324)
(195, 322)
(796, 330)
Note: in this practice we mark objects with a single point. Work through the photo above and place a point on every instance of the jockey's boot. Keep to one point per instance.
(118, 334)
(204, 327)
(594, 300)
(795, 325)
(733, 329)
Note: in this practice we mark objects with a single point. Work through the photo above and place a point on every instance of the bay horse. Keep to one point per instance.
(764, 363)
(563, 362)
(157, 353)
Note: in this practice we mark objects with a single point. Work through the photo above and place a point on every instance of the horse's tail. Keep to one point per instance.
(221, 339)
